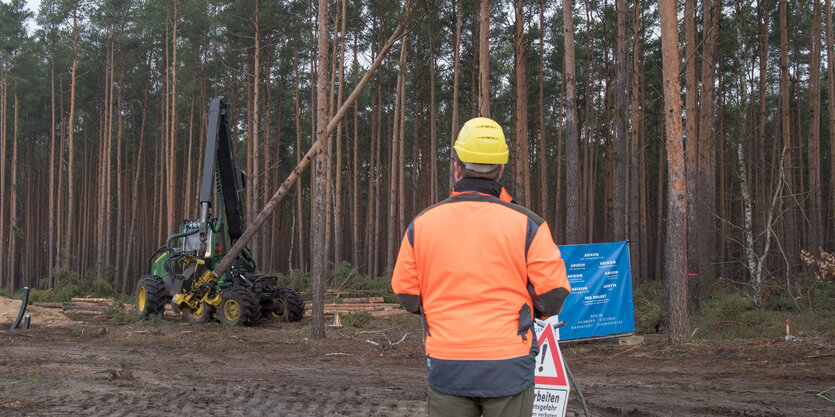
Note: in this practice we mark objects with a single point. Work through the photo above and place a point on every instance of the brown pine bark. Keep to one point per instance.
(636, 231)
(761, 172)
(691, 151)
(572, 145)
(70, 177)
(337, 210)
(456, 60)
(814, 236)
(299, 206)
(678, 328)
(433, 138)
(521, 166)
(318, 235)
(134, 212)
(484, 60)
(621, 107)
(4, 246)
(172, 125)
(706, 217)
(108, 177)
(543, 150)
(254, 140)
(355, 202)
(830, 66)
(394, 158)
(13, 199)
(401, 164)
(785, 124)
(51, 214)
(118, 258)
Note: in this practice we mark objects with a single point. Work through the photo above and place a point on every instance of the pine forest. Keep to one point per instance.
(699, 131)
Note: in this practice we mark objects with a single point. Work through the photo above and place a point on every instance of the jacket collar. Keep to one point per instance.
(478, 185)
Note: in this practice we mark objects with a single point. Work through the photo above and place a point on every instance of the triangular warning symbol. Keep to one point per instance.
(549, 366)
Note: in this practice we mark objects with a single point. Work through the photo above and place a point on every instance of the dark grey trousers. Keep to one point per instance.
(519, 405)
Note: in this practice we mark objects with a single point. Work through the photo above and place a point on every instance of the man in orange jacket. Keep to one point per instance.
(479, 269)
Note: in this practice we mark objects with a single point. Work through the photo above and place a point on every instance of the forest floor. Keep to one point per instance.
(88, 366)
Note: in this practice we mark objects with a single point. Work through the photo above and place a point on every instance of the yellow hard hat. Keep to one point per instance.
(481, 141)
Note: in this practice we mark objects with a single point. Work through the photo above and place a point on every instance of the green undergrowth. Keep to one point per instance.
(343, 281)
(70, 284)
(728, 313)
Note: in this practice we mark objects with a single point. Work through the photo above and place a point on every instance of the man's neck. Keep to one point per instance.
(478, 185)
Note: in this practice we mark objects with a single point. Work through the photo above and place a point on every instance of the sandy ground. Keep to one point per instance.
(165, 367)
(48, 317)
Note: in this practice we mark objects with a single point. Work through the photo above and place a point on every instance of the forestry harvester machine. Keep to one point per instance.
(182, 271)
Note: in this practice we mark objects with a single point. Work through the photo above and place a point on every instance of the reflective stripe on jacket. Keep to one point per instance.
(476, 266)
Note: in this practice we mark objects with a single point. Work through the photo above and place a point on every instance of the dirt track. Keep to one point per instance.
(163, 369)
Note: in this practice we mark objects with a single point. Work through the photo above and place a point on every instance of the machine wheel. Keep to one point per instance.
(288, 305)
(202, 315)
(239, 307)
(150, 296)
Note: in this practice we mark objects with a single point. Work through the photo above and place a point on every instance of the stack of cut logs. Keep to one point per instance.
(375, 306)
(81, 306)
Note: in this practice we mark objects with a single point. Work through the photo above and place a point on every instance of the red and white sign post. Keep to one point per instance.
(551, 390)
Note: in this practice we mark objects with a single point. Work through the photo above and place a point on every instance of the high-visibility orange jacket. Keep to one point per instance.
(477, 268)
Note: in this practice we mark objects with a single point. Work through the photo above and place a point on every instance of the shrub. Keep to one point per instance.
(648, 314)
(358, 319)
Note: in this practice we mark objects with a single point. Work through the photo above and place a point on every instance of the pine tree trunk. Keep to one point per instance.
(521, 166)
(543, 150)
(433, 126)
(71, 162)
(707, 155)
(676, 259)
(254, 135)
(12, 259)
(785, 110)
(299, 205)
(484, 60)
(636, 231)
(318, 257)
(51, 214)
(815, 205)
(355, 205)
(572, 145)
(172, 118)
(456, 63)
(132, 236)
(761, 172)
(337, 210)
(830, 66)
(621, 107)
(118, 260)
(691, 136)
(4, 246)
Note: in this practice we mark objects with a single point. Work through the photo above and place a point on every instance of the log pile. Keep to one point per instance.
(81, 306)
(375, 306)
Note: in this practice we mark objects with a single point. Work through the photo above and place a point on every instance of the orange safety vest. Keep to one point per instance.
(477, 268)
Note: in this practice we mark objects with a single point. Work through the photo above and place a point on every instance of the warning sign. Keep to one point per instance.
(551, 390)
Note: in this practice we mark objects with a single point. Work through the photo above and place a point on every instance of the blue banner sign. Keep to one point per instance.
(600, 303)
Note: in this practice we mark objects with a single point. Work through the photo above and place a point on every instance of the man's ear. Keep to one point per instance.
(501, 171)
(457, 170)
